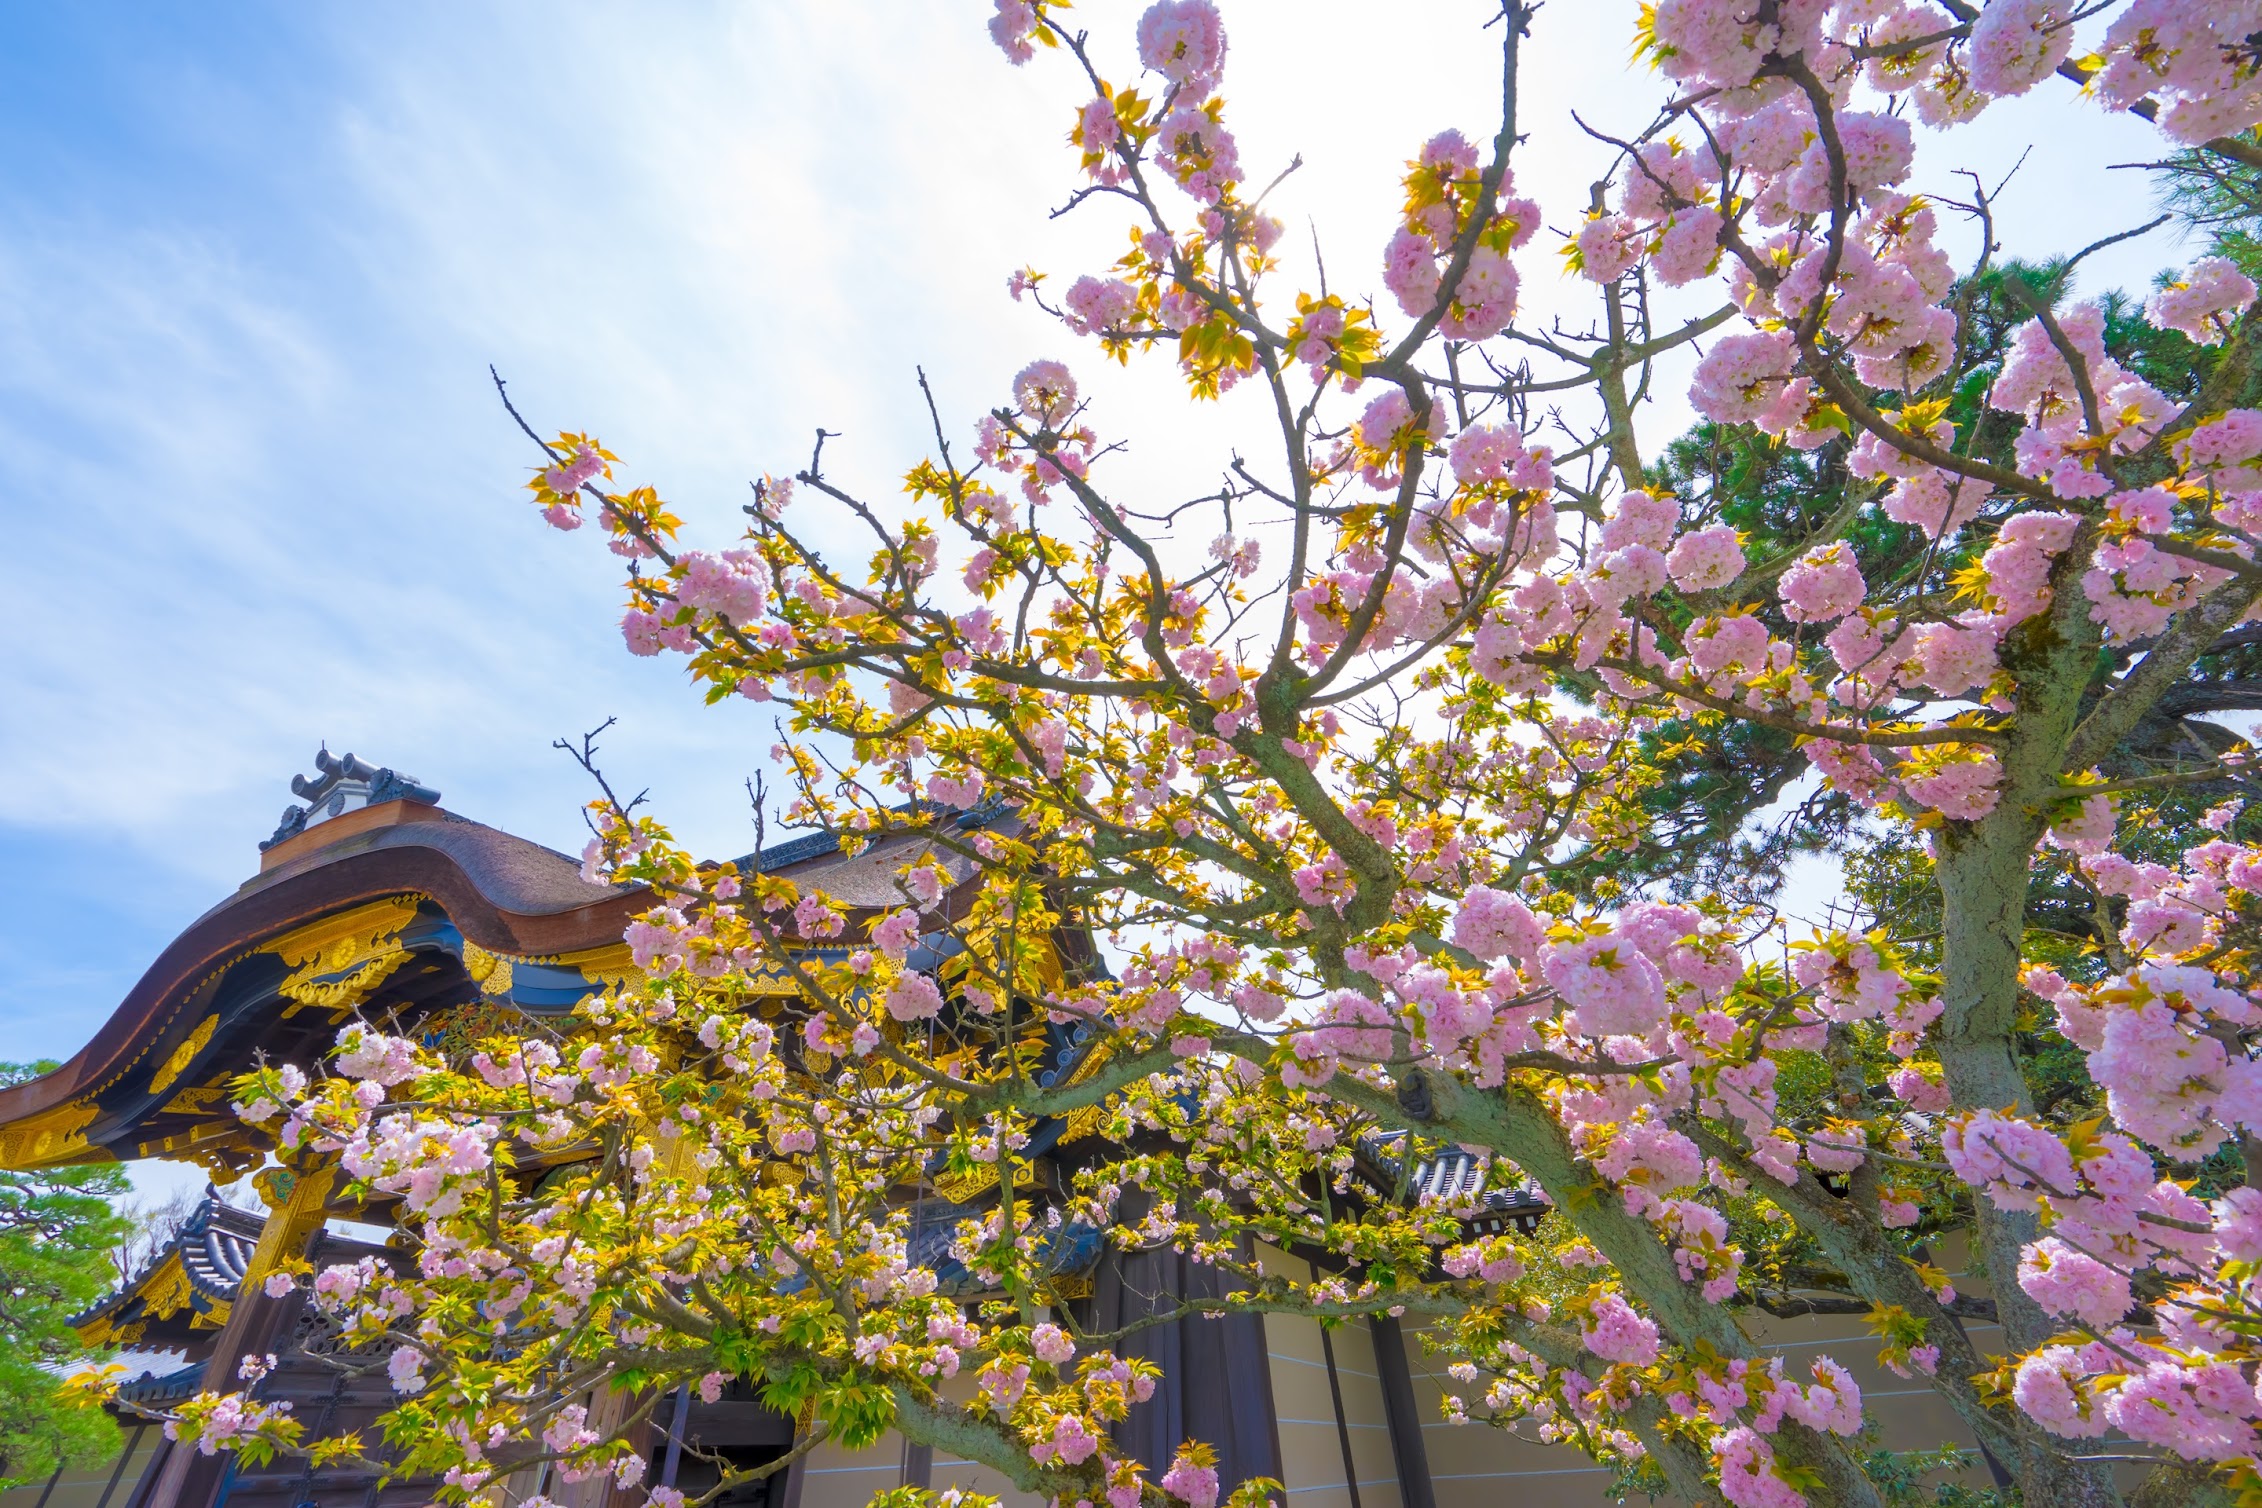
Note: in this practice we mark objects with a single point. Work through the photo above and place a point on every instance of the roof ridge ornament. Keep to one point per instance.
(340, 785)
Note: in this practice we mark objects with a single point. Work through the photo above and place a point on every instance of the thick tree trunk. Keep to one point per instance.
(1982, 869)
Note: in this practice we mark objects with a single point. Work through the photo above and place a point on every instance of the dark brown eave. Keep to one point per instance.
(503, 893)
(473, 889)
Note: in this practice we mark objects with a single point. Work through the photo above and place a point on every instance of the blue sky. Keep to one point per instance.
(254, 263)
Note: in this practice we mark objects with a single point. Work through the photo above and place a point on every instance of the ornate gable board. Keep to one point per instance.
(171, 1097)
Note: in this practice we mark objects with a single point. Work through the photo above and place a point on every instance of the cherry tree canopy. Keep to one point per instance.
(1398, 762)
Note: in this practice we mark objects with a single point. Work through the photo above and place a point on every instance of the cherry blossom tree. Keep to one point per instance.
(1349, 765)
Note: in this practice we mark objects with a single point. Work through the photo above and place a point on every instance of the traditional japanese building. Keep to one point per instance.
(372, 898)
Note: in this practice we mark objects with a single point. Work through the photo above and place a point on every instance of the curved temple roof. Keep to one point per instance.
(187, 1286)
(182, 1296)
(398, 906)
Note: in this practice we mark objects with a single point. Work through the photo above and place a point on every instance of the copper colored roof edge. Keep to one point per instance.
(503, 892)
(458, 863)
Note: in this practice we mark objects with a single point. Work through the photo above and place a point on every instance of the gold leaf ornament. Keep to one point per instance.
(338, 962)
(52, 1136)
(490, 971)
(178, 1060)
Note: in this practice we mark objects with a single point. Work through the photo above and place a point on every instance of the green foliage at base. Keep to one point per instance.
(57, 1228)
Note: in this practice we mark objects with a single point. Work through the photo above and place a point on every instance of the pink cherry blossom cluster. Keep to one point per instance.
(2205, 303)
(1184, 41)
(1446, 193)
(1612, 1330)
(2197, 56)
(2038, 383)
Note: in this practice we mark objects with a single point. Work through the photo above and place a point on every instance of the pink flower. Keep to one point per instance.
(2014, 1161)
(734, 585)
(1610, 983)
(1705, 559)
(1095, 306)
(1747, 1467)
(1689, 247)
(1045, 392)
(2065, 1281)
(896, 934)
(1494, 924)
(1952, 659)
(2049, 1388)
(1643, 518)
(1011, 28)
(914, 997)
(1878, 149)
(1935, 502)
(1409, 271)
(2229, 439)
(2200, 1412)
(1608, 246)
(2206, 303)
(2016, 44)
(1052, 1344)
(1190, 1481)
(1071, 1441)
(1823, 584)
(1963, 789)
(642, 631)
(1833, 1403)
(1614, 1332)
(1919, 1091)
(1184, 41)
(405, 1367)
(1747, 379)
(1485, 452)
(1097, 128)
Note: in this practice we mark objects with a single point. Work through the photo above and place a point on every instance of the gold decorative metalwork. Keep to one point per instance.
(53, 1135)
(1071, 1285)
(226, 1149)
(103, 1330)
(363, 945)
(197, 1099)
(215, 1317)
(608, 967)
(490, 971)
(775, 977)
(225, 1163)
(981, 1180)
(290, 1224)
(166, 1291)
(1085, 1120)
(177, 1063)
(460, 1028)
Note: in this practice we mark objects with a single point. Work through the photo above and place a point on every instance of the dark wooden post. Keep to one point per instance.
(190, 1478)
(1404, 1414)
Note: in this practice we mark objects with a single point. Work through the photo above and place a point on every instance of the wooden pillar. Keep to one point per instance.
(1342, 1425)
(1403, 1413)
(678, 1418)
(133, 1443)
(795, 1476)
(190, 1478)
(608, 1407)
(144, 1494)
